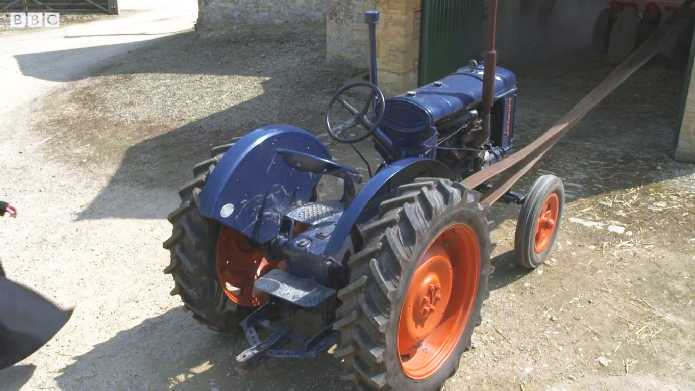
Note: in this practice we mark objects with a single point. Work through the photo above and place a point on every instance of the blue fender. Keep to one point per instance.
(366, 205)
(252, 186)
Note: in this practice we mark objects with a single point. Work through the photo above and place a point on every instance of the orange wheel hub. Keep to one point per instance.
(547, 223)
(440, 298)
(239, 264)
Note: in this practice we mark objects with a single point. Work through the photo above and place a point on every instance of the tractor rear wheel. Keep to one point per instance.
(539, 221)
(416, 288)
(194, 256)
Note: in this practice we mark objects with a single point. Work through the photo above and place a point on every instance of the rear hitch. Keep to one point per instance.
(274, 321)
(251, 356)
(280, 343)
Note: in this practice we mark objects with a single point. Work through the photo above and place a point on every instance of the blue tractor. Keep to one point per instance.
(389, 277)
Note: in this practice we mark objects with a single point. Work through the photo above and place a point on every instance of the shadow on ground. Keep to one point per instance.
(193, 358)
(13, 378)
(126, 64)
(506, 271)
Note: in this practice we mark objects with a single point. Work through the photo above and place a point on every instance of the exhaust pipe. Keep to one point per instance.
(372, 19)
(490, 69)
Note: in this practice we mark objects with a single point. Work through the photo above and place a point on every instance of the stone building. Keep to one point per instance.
(346, 32)
(410, 45)
(216, 14)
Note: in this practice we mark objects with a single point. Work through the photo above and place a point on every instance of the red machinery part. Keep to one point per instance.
(239, 264)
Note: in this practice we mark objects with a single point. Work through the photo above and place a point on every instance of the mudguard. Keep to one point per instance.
(252, 186)
(366, 205)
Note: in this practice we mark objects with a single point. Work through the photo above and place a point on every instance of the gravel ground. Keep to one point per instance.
(96, 166)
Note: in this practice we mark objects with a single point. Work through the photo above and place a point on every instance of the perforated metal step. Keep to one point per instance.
(314, 212)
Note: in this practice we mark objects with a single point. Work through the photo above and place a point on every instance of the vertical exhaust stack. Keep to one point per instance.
(372, 19)
(490, 68)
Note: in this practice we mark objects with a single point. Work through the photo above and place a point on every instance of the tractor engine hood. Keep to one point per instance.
(421, 109)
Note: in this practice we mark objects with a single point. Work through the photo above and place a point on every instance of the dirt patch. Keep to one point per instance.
(613, 308)
(166, 105)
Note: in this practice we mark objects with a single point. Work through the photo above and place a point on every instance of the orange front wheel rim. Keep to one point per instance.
(440, 298)
(547, 223)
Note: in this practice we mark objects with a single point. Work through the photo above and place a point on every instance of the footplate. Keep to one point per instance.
(301, 292)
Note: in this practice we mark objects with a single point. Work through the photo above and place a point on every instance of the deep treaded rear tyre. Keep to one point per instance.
(193, 256)
(392, 253)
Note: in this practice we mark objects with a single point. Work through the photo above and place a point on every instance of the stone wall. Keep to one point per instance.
(216, 14)
(346, 32)
(398, 39)
(399, 47)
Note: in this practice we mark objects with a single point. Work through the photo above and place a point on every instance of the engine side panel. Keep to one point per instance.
(503, 117)
(421, 109)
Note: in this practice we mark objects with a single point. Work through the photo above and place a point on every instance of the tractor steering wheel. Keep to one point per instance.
(362, 122)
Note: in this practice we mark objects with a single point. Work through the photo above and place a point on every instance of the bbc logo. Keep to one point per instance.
(20, 20)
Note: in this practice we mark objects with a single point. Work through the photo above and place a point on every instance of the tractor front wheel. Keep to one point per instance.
(416, 288)
(539, 221)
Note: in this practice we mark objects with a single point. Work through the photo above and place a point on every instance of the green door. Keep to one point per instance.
(452, 35)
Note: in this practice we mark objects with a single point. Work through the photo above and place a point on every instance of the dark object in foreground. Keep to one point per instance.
(27, 322)
(6, 208)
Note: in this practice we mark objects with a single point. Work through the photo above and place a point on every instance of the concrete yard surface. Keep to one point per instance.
(98, 134)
